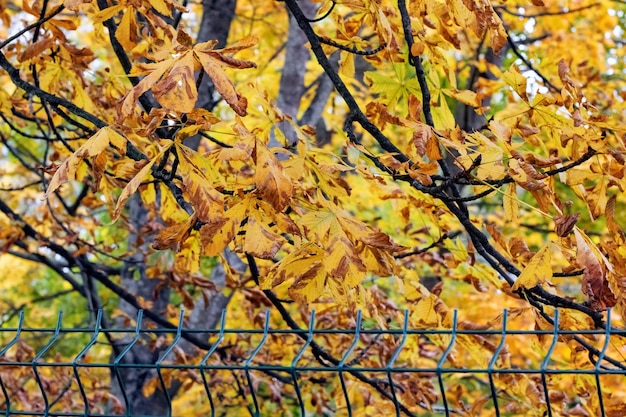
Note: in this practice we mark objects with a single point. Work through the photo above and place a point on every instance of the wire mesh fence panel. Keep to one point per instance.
(454, 369)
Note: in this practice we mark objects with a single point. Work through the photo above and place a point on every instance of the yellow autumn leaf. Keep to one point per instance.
(199, 181)
(343, 261)
(93, 147)
(126, 32)
(360, 231)
(161, 7)
(187, 259)
(177, 89)
(425, 312)
(219, 231)
(292, 266)
(538, 270)
(105, 14)
(378, 262)
(260, 241)
(442, 115)
(464, 96)
(514, 78)
(319, 224)
(510, 203)
(597, 198)
(346, 65)
(309, 284)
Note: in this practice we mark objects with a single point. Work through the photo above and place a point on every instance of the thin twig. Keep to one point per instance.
(541, 14)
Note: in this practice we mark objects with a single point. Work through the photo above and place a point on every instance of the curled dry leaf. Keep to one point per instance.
(564, 224)
(594, 284)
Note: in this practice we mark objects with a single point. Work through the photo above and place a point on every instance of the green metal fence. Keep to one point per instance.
(396, 371)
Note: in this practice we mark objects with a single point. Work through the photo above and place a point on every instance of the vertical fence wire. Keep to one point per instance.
(546, 361)
(159, 362)
(38, 356)
(296, 359)
(492, 362)
(205, 358)
(121, 356)
(342, 363)
(256, 350)
(444, 357)
(607, 339)
(393, 359)
(81, 354)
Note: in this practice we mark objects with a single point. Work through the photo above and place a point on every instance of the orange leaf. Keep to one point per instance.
(169, 237)
(199, 181)
(177, 89)
(213, 61)
(154, 73)
(260, 241)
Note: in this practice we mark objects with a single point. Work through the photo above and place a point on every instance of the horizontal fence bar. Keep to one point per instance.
(393, 332)
(330, 368)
